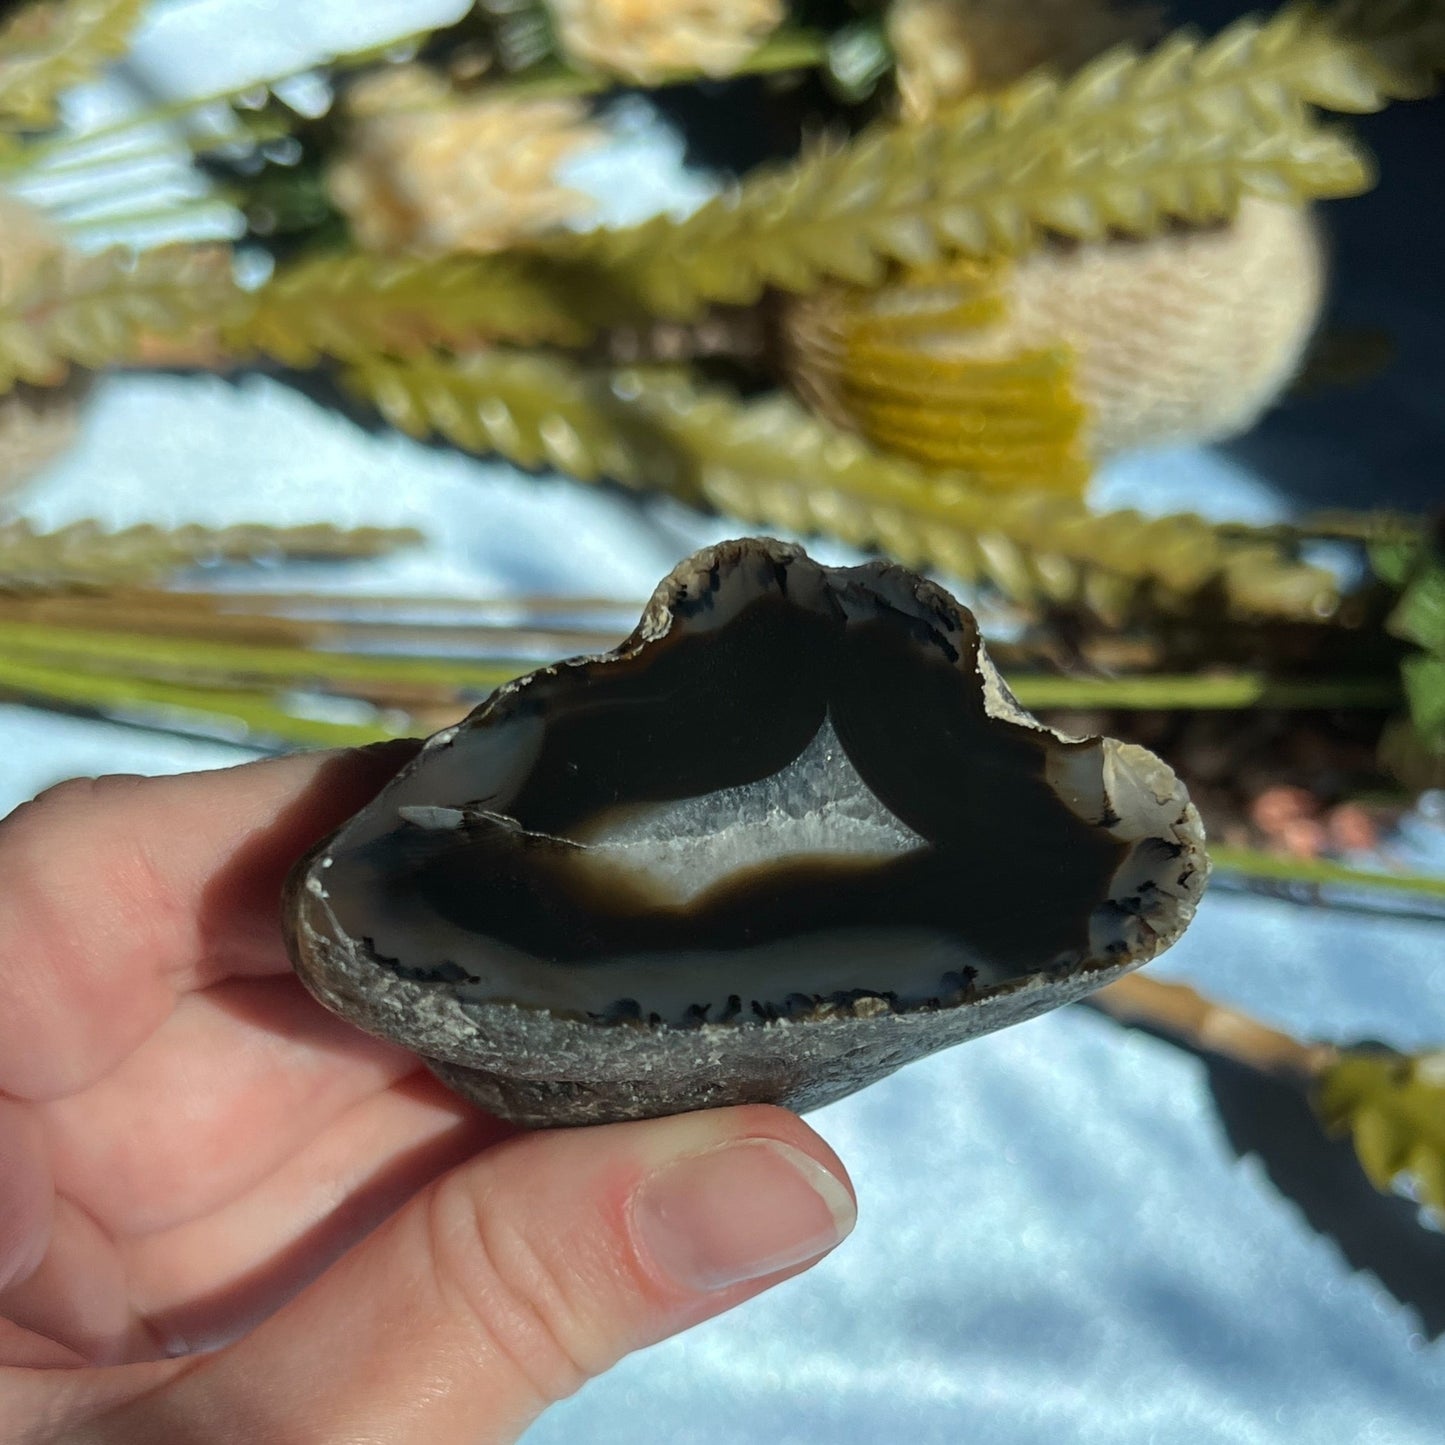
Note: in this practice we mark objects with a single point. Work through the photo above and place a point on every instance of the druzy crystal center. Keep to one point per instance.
(816, 807)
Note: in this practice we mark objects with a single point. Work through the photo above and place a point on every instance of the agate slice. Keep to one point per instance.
(792, 834)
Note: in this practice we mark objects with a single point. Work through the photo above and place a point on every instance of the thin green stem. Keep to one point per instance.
(207, 207)
(1321, 872)
(787, 50)
(147, 654)
(784, 50)
(174, 110)
(231, 715)
(350, 603)
(67, 165)
(1336, 526)
(74, 146)
(1227, 690)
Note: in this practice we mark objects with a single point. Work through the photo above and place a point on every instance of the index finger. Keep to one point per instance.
(119, 894)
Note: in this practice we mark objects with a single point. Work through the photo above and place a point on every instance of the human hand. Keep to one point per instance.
(226, 1215)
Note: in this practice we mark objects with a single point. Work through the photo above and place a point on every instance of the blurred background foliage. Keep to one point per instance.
(960, 253)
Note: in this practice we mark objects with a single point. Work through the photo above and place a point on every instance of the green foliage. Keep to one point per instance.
(232, 714)
(356, 303)
(85, 554)
(219, 662)
(1393, 1107)
(1392, 539)
(1417, 569)
(96, 309)
(1162, 691)
(48, 47)
(1129, 144)
(1328, 876)
(1424, 679)
(216, 687)
(268, 669)
(771, 463)
(1420, 615)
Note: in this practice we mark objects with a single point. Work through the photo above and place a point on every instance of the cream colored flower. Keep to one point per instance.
(949, 49)
(648, 40)
(428, 171)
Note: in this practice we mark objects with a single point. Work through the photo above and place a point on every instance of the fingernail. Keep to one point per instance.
(740, 1212)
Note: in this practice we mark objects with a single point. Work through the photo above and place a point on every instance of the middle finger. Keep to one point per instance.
(241, 1077)
(204, 1282)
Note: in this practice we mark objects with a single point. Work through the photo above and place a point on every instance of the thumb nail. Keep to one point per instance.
(740, 1212)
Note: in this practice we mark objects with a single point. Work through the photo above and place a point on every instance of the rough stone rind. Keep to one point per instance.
(539, 1070)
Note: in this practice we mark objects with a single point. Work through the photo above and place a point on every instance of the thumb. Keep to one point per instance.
(509, 1282)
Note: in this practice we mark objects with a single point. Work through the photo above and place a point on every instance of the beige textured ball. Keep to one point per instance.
(1187, 337)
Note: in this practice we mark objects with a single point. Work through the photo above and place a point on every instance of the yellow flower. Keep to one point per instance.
(648, 40)
(948, 49)
(427, 171)
(1025, 373)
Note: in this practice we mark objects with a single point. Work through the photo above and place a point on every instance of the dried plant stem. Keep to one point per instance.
(239, 97)
(1334, 526)
(231, 715)
(1187, 1016)
(217, 663)
(182, 614)
(168, 213)
(350, 603)
(1321, 873)
(782, 51)
(322, 621)
(64, 166)
(71, 147)
(1225, 691)
(86, 555)
(152, 631)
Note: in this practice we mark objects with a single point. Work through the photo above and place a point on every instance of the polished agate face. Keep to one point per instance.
(796, 792)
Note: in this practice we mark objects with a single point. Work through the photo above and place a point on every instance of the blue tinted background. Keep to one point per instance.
(1067, 1231)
